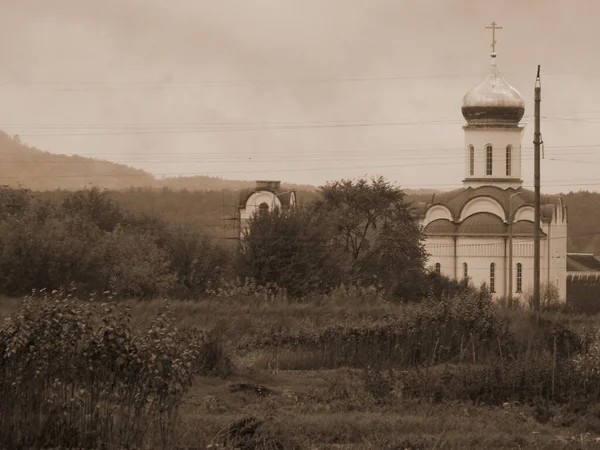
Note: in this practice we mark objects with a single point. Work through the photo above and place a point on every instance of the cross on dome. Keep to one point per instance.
(493, 26)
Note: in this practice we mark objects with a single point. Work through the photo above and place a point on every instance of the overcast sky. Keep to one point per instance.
(299, 90)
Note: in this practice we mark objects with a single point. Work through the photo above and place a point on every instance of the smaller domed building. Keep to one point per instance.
(265, 196)
(484, 230)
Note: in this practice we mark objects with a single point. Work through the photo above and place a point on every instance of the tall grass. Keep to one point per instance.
(75, 375)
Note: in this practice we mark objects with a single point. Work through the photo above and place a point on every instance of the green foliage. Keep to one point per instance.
(71, 379)
(292, 249)
(375, 227)
(199, 262)
(90, 243)
(94, 206)
(136, 267)
(451, 330)
(38, 250)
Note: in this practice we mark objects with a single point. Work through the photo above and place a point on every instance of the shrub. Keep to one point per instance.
(70, 380)
(135, 266)
(38, 251)
(197, 260)
(291, 249)
(95, 206)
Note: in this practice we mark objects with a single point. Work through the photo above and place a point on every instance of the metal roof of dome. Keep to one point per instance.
(493, 101)
(440, 226)
(482, 223)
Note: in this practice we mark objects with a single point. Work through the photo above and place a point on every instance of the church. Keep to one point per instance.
(484, 230)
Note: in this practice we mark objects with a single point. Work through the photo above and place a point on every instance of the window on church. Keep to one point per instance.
(508, 160)
(492, 277)
(471, 160)
(519, 278)
(488, 159)
(438, 268)
(465, 271)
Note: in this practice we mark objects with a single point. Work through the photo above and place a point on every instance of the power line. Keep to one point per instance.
(199, 129)
(161, 84)
(358, 154)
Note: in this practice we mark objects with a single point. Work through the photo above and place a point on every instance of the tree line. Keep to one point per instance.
(353, 233)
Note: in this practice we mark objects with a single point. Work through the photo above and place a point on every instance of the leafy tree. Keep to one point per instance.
(198, 261)
(292, 249)
(40, 250)
(96, 206)
(375, 227)
(135, 266)
(14, 201)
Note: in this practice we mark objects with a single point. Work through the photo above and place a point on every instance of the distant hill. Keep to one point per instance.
(23, 165)
(207, 183)
(27, 166)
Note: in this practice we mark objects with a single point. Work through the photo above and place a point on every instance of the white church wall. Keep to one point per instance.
(252, 204)
(523, 251)
(525, 213)
(557, 273)
(499, 138)
(436, 212)
(553, 262)
(440, 250)
(479, 253)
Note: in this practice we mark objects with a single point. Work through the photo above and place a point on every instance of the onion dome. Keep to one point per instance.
(493, 102)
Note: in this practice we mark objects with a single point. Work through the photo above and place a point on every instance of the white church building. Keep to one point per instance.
(484, 230)
(266, 196)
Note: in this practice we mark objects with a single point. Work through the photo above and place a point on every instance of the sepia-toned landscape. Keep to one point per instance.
(284, 225)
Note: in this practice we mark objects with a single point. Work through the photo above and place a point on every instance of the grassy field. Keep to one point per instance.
(332, 409)
(355, 372)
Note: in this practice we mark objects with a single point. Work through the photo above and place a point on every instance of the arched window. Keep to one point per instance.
(438, 268)
(519, 278)
(471, 160)
(263, 208)
(492, 277)
(465, 271)
(488, 159)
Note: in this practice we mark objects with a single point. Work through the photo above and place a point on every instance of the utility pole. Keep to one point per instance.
(536, 184)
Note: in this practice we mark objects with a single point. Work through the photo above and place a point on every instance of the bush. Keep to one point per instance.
(40, 251)
(197, 260)
(290, 249)
(70, 380)
(135, 266)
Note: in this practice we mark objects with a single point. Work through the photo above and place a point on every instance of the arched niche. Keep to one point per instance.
(525, 213)
(482, 204)
(259, 198)
(436, 212)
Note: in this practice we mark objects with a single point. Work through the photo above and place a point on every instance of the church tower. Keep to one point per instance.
(484, 231)
(493, 136)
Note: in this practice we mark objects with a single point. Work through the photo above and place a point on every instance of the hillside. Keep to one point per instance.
(26, 166)
(23, 165)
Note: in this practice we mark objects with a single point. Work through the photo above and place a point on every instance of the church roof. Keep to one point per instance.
(285, 197)
(418, 209)
(524, 228)
(493, 102)
(582, 262)
(482, 224)
(456, 199)
(441, 227)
